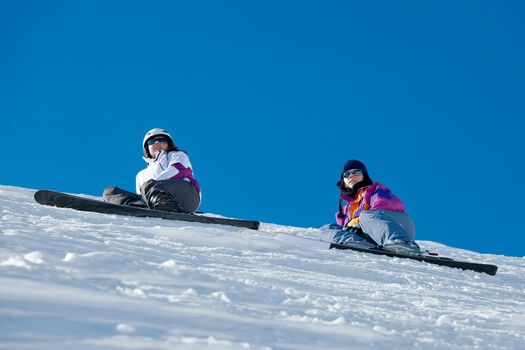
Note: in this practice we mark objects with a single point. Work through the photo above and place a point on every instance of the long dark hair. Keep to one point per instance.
(171, 146)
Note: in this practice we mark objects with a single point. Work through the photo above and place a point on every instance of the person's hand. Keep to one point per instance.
(158, 154)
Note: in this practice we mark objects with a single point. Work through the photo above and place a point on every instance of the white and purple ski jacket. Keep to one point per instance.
(167, 165)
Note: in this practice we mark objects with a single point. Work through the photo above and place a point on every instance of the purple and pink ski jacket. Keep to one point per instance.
(373, 197)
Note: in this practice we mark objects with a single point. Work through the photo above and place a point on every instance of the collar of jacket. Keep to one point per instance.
(151, 161)
(352, 192)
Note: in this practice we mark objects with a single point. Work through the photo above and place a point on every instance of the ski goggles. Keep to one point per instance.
(352, 173)
(155, 139)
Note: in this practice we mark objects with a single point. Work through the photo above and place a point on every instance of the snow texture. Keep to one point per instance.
(78, 280)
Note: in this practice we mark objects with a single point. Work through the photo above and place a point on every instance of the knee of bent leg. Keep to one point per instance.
(108, 191)
(146, 186)
(367, 216)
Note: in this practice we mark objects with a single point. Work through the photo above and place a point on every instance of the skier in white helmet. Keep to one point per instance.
(167, 183)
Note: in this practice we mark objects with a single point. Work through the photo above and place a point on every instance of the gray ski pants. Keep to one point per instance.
(385, 225)
(381, 226)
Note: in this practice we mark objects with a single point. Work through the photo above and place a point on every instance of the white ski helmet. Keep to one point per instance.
(152, 133)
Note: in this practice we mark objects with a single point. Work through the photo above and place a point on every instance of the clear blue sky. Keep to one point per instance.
(270, 98)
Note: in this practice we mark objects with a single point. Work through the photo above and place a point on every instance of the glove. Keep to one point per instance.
(355, 228)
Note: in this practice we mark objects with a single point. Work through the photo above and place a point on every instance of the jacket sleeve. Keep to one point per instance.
(169, 166)
(340, 218)
(383, 199)
(165, 166)
(139, 180)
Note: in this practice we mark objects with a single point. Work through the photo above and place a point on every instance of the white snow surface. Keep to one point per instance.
(79, 280)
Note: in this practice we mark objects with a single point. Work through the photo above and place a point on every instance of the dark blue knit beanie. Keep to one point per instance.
(355, 164)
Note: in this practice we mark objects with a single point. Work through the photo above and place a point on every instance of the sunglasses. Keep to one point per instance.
(155, 139)
(352, 173)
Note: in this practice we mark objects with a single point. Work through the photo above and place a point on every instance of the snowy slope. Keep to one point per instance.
(77, 280)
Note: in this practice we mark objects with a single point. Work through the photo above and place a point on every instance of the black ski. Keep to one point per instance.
(65, 200)
(432, 259)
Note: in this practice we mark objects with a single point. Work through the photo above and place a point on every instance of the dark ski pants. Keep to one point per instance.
(183, 192)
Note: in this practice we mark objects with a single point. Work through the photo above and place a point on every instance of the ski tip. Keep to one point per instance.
(41, 196)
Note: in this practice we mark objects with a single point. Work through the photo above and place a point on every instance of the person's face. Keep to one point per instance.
(353, 176)
(157, 143)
